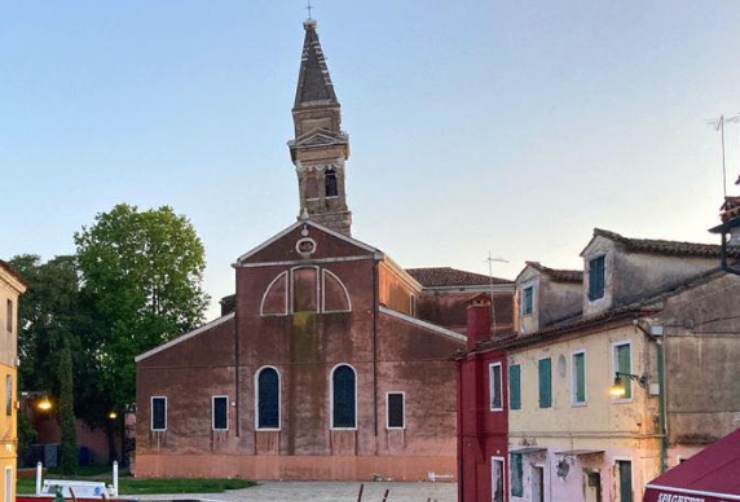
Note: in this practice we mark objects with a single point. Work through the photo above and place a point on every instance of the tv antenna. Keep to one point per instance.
(719, 125)
(491, 260)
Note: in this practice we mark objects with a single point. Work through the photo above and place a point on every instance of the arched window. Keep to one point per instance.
(275, 297)
(330, 180)
(343, 397)
(267, 395)
(335, 297)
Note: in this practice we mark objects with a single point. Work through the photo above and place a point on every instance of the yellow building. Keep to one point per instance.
(11, 287)
(621, 369)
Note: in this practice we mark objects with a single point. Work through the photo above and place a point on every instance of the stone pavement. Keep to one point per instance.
(322, 491)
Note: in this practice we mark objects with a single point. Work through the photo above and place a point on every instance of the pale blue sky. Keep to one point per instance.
(517, 126)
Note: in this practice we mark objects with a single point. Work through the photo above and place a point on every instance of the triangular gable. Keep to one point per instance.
(319, 137)
(329, 243)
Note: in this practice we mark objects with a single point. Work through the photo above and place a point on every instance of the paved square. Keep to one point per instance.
(323, 491)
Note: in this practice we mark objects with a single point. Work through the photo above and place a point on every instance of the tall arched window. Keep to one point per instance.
(330, 180)
(267, 395)
(343, 397)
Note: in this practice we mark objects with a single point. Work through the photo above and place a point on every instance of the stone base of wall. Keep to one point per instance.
(297, 468)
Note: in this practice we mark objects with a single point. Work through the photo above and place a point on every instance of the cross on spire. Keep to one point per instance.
(309, 8)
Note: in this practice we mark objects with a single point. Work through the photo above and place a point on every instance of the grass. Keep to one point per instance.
(128, 485)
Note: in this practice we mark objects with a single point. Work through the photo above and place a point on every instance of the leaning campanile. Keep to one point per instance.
(320, 147)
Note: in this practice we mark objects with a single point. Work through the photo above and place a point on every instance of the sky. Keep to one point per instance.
(475, 125)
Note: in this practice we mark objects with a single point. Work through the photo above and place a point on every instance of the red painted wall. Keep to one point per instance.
(482, 433)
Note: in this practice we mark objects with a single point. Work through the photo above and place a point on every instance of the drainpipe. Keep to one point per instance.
(661, 406)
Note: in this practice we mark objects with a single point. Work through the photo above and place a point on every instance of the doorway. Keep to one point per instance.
(538, 484)
(8, 492)
(497, 479)
(592, 486)
(624, 471)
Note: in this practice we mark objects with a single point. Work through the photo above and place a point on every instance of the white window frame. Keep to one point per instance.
(257, 399)
(508, 381)
(388, 410)
(291, 295)
(213, 413)
(324, 272)
(282, 275)
(151, 413)
(331, 399)
(615, 368)
(500, 388)
(573, 379)
(503, 476)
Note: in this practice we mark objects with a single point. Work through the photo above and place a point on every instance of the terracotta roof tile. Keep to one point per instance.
(558, 275)
(432, 277)
(677, 248)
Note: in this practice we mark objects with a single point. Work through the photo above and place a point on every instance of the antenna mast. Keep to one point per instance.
(491, 260)
(719, 125)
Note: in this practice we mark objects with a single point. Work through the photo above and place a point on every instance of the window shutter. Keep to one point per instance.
(580, 376)
(545, 375)
(517, 475)
(515, 396)
(624, 365)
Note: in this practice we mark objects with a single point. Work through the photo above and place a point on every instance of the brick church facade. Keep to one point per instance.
(330, 361)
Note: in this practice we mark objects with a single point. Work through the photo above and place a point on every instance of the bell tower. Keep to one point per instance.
(320, 147)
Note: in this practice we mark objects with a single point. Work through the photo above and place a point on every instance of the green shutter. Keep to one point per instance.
(624, 365)
(517, 475)
(625, 480)
(515, 391)
(579, 368)
(545, 374)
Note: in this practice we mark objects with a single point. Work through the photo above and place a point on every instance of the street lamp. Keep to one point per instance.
(618, 390)
(112, 415)
(44, 404)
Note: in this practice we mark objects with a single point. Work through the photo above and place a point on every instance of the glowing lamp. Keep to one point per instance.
(112, 415)
(44, 404)
(617, 390)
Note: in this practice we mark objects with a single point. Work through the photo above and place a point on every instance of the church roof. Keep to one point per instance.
(435, 277)
(314, 82)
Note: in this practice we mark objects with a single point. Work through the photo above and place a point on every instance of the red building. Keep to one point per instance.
(482, 412)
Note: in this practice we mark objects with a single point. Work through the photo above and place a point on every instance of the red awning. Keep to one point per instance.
(712, 475)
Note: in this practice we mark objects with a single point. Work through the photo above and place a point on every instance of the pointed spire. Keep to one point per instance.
(314, 82)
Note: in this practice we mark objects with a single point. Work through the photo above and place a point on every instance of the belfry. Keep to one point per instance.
(320, 147)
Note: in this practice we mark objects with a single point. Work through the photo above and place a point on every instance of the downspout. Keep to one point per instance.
(375, 351)
(661, 405)
(460, 459)
(237, 389)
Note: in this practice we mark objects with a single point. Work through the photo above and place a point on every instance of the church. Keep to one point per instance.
(330, 361)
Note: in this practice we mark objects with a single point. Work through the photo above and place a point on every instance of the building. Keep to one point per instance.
(11, 287)
(330, 361)
(616, 377)
(482, 407)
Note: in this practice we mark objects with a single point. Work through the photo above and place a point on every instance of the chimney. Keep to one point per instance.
(478, 328)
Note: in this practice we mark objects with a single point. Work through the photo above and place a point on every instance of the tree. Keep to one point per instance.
(66, 415)
(141, 275)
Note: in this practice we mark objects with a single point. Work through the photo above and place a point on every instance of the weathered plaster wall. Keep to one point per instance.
(702, 350)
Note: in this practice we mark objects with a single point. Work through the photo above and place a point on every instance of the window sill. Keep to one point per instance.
(158, 430)
(622, 401)
(220, 430)
(268, 429)
(343, 428)
(395, 428)
(579, 405)
(496, 409)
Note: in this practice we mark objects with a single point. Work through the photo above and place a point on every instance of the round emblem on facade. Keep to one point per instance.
(305, 247)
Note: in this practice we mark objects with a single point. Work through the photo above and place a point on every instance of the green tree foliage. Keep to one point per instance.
(49, 313)
(66, 414)
(142, 272)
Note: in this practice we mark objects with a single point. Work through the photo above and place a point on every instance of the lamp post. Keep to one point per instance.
(619, 390)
